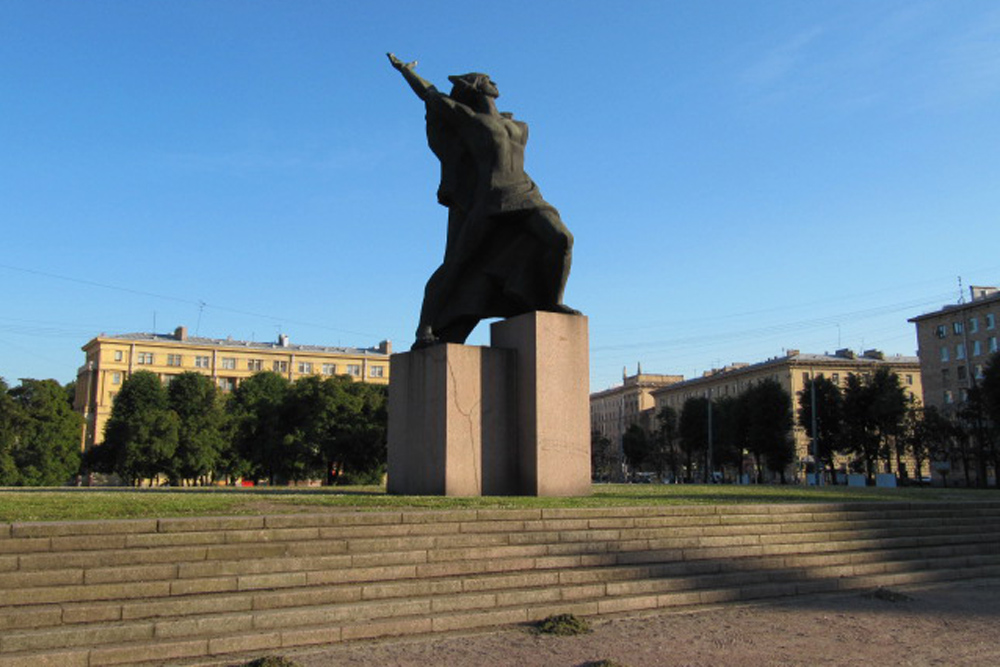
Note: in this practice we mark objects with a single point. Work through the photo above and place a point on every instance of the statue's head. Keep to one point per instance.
(473, 83)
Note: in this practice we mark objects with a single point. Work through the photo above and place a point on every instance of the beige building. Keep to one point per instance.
(111, 359)
(613, 410)
(792, 371)
(955, 344)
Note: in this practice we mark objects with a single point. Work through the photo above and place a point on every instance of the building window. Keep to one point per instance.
(909, 380)
(990, 321)
(255, 365)
(145, 358)
(354, 370)
(945, 376)
(835, 377)
(116, 378)
(376, 371)
(118, 355)
(202, 362)
(280, 366)
(973, 324)
(960, 351)
(977, 348)
(992, 344)
(305, 367)
(226, 384)
(229, 363)
(173, 360)
(948, 397)
(956, 328)
(329, 369)
(960, 373)
(944, 354)
(979, 371)
(963, 395)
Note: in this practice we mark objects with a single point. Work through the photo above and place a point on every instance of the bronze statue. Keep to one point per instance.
(507, 252)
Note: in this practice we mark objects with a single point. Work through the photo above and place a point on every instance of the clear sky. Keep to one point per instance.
(741, 177)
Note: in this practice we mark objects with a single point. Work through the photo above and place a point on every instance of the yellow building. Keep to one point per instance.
(111, 359)
(955, 343)
(792, 371)
(613, 410)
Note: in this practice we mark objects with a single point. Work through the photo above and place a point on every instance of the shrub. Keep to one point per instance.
(563, 625)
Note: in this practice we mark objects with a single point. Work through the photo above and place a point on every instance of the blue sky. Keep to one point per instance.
(741, 177)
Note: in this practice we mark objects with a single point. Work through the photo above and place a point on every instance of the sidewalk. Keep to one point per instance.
(946, 624)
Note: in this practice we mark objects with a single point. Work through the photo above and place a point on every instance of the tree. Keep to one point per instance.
(636, 446)
(46, 444)
(829, 401)
(198, 406)
(874, 410)
(257, 413)
(729, 424)
(769, 425)
(693, 431)
(8, 419)
(602, 456)
(142, 432)
(337, 427)
(930, 435)
(663, 452)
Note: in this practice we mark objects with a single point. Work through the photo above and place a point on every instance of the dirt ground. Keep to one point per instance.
(950, 624)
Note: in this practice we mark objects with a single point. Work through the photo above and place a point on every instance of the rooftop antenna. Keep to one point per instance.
(201, 309)
(961, 291)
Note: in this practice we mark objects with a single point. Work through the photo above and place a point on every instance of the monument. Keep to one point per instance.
(511, 418)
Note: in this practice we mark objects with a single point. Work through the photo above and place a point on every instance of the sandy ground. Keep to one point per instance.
(953, 624)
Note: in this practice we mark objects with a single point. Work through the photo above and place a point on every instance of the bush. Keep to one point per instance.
(272, 661)
(563, 625)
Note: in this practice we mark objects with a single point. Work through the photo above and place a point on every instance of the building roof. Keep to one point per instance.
(870, 358)
(976, 302)
(282, 344)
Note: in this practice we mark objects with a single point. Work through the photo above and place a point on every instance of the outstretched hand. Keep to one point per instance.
(399, 64)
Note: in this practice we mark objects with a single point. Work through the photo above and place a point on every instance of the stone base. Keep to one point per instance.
(451, 422)
(553, 411)
(509, 419)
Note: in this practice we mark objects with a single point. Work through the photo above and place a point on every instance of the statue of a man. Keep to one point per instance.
(507, 252)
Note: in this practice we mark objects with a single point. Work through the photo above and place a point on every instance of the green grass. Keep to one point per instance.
(82, 504)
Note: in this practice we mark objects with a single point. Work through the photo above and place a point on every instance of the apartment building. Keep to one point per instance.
(954, 344)
(792, 371)
(613, 410)
(111, 359)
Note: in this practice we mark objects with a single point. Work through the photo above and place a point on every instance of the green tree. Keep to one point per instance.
(338, 428)
(729, 424)
(8, 419)
(829, 401)
(636, 446)
(258, 429)
(664, 455)
(769, 426)
(602, 456)
(142, 432)
(693, 431)
(46, 446)
(874, 414)
(197, 403)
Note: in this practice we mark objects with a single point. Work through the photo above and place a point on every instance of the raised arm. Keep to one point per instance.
(421, 87)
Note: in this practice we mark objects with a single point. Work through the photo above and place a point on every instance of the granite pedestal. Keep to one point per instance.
(509, 419)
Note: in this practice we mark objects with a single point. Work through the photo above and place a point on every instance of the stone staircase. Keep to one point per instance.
(209, 589)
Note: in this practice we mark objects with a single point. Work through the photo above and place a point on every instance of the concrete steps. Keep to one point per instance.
(170, 590)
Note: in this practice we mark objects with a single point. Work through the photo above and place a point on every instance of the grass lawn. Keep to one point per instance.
(74, 504)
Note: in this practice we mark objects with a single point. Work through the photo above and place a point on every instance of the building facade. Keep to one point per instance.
(954, 344)
(613, 410)
(112, 359)
(792, 371)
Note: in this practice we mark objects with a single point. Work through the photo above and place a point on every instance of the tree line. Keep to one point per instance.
(188, 432)
(871, 421)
